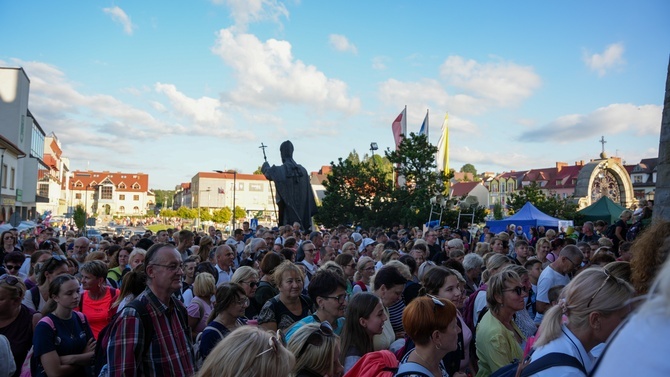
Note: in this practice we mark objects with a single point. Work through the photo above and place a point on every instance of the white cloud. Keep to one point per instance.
(268, 74)
(379, 63)
(118, 15)
(205, 112)
(613, 119)
(342, 44)
(245, 12)
(612, 57)
(502, 83)
(505, 159)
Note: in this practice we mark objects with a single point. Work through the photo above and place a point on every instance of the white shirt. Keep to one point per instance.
(568, 344)
(640, 347)
(224, 276)
(548, 278)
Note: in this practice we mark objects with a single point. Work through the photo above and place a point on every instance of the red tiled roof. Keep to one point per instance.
(459, 189)
(128, 179)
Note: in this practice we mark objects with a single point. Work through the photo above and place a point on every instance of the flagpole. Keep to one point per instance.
(427, 126)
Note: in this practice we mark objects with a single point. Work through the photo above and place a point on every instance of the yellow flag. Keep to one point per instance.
(442, 157)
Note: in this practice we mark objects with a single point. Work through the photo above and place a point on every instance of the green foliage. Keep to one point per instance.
(240, 213)
(364, 193)
(497, 211)
(552, 205)
(187, 213)
(354, 158)
(469, 168)
(79, 216)
(164, 198)
(223, 215)
(415, 161)
(205, 215)
(167, 212)
(258, 171)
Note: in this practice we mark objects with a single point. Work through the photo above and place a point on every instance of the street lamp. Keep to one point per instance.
(234, 194)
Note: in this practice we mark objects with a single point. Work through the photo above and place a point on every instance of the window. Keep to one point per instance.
(77, 196)
(122, 186)
(136, 210)
(92, 184)
(122, 197)
(240, 186)
(136, 198)
(4, 176)
(12, 177)
(78, 184)
(510, 187)
(43, 190)
(122, 209)
(502, 187)
(136, 186)
(255, 187)
(637, 179)
(106, 193)
(37, 143)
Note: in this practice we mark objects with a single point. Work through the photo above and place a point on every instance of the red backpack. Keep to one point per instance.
(373, 364)
(469, 308)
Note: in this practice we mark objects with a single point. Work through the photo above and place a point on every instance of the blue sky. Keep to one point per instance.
(173, 88)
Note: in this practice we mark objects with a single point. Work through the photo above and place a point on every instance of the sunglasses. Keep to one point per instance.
(316, 337)
(9, 279)
(518, 290)
(436, 302)
(12, 267)
(252, 284)
(274, 343)
(607, 273)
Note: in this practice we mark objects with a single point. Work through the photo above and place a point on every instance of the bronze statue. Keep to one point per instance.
(294, 191)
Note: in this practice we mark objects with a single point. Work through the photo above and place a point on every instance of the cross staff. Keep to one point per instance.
(272, 191)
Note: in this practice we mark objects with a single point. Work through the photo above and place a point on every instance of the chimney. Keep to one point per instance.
(560, 165)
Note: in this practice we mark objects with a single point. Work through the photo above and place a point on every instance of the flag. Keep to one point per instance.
(222, 191)
(424, 126)
(399, 127)
(442, 157)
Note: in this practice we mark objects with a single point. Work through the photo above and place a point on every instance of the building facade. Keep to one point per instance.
(23, 143)
(51, 180)
(110, 194)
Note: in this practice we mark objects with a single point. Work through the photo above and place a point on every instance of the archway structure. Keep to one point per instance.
(604, 177)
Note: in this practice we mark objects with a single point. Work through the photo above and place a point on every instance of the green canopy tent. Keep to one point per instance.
(604, 209)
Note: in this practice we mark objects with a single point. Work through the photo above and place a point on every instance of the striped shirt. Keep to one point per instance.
(170, 352)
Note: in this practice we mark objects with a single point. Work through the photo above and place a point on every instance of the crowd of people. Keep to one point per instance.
(284, 302)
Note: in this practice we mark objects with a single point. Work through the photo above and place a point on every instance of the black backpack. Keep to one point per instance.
(550, 360)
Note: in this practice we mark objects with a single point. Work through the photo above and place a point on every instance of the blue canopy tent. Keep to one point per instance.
(527, 217)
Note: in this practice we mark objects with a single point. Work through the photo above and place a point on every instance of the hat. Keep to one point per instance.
(356, 237)
(367, 242)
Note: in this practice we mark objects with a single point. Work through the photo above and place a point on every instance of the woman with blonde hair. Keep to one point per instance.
(365, 268)
(317, 351)
(248, 352)
(594, 302)
(350, 248)
(494, 263)
(136, 257)
(498, 338)
(289, 306)
(482, 248)
(542, 249)
(247, 278)
(204, 287)
(206, 246)
(620, 229)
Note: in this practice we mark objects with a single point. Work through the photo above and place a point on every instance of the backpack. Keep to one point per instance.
(147, 325)
(25, 368)
(469, 308)
(35, 295)
(634, 230)
(611, 231)
(362, 285)
(199, 359)
(378, 363)
(527, 368)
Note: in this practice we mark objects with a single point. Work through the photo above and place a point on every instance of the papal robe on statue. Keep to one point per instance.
(295, 197)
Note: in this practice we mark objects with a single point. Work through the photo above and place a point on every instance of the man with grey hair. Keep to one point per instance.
(588, 233)
(473, 265)
(569, 259)
(80, 249)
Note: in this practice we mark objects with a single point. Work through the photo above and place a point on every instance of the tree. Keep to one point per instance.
(415, 162)
(354, 193)
(222, 215)
(531, 193)
(79, 216)
(240, 213)
(205, 215)
(167, 213)
(187, 213)
(552, 204)
(353, 157)
(469, 168)
(258, 171)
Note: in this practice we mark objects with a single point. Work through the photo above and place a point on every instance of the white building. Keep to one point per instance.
(22, 147)
(51, 180)
(111, 194)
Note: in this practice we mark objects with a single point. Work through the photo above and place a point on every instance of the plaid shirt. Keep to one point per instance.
(170, 352)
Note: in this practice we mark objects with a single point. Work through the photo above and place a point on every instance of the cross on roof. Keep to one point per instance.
(602, 141)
